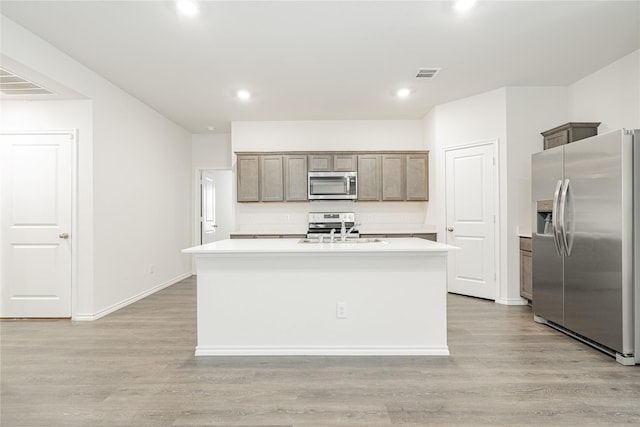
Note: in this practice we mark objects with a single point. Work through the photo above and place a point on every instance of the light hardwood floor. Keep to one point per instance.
(136, 367)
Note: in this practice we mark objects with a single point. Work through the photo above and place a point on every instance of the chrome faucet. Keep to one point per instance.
(344, 234)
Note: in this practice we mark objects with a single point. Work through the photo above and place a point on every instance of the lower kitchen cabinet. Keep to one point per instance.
(426, 236)
(267, 236)
(525, 268)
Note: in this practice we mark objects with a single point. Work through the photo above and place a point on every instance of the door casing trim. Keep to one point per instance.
(73, 133)
(494, 143)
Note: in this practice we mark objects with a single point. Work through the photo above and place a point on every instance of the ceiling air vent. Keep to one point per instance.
(12, 84)
(427, 73)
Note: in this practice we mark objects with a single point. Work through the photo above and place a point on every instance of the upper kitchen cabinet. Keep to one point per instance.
(333, 162)
(393, 177)
(345, 162)
(248, 178)
(569, 132)
(295, 178)
(417, 176)
(320, 162)
(283, 176)
(271, 179)
(369, 174)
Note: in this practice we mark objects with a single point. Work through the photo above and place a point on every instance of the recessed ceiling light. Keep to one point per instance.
(187, 7)
(243, 94)
(463, 5)
(403, 93)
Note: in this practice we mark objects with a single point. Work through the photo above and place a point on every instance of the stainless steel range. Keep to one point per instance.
(332, 225)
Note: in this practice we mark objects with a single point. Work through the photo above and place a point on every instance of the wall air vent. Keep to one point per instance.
(12, 84)
(427, 73)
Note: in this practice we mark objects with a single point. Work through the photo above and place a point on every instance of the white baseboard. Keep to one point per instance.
(131, 300)
(512, 301)
(322, 351)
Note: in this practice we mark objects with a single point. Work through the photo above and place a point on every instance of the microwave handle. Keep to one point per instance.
(348, 185)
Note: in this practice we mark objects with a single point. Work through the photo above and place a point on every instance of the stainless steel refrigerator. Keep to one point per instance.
(586, 242)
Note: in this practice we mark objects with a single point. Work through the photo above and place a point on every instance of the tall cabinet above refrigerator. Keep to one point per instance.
(586, 241)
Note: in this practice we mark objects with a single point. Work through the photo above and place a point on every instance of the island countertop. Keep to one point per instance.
(291, 246)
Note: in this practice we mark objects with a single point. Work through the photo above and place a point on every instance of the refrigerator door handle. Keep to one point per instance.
(555, 217)
(563, 218)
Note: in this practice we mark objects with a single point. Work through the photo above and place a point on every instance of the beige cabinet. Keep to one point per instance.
(345, 162)
(417, 176)
(569, 132)
(321, 162)
(426, 236)
(271, 179)
(369, 177)
(248, 178)
(526, 268)
(393, 177)
(333, 162)
(295, 178)
(382, 175)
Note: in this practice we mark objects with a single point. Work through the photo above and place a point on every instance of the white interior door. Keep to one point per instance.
(35, 250)
(470, 220)
(215, 207)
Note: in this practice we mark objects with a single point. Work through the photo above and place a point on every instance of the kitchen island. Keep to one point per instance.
(290, 297)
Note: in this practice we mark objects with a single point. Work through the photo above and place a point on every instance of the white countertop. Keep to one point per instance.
(410, 244)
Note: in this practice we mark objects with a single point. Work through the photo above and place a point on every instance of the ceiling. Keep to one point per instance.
(328, 60)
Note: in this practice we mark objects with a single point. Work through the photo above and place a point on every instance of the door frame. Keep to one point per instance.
(442, 229)
(73, 134)
(197, 198)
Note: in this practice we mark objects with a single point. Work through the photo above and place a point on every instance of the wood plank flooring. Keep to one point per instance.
(136, 367)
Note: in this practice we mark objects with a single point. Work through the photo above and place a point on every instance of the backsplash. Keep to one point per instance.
(293, 217)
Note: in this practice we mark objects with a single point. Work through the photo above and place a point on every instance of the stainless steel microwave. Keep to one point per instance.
(333, 186)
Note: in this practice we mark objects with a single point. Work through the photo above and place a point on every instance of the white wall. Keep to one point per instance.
(610, 96)
(141, 178)
(530, 111)
(470, 120)
(211, 151)
(357, 135)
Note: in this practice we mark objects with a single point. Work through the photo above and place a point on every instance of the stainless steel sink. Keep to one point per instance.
(349, 240)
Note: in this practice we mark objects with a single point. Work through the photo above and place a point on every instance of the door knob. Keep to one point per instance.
(64, 235)
(450, 229)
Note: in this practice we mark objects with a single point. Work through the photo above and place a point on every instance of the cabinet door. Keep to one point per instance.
(271, 179)
(295, 178)
(427, 236)
(321, 162)
(418, 177)
(345, 163)
(525, 275)
(248, 178)
(369, 177)
(393, 177)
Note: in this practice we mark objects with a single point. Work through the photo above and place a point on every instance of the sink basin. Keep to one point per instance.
(352, 240)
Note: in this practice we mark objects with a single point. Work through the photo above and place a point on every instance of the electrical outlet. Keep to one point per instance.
(341, 310)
